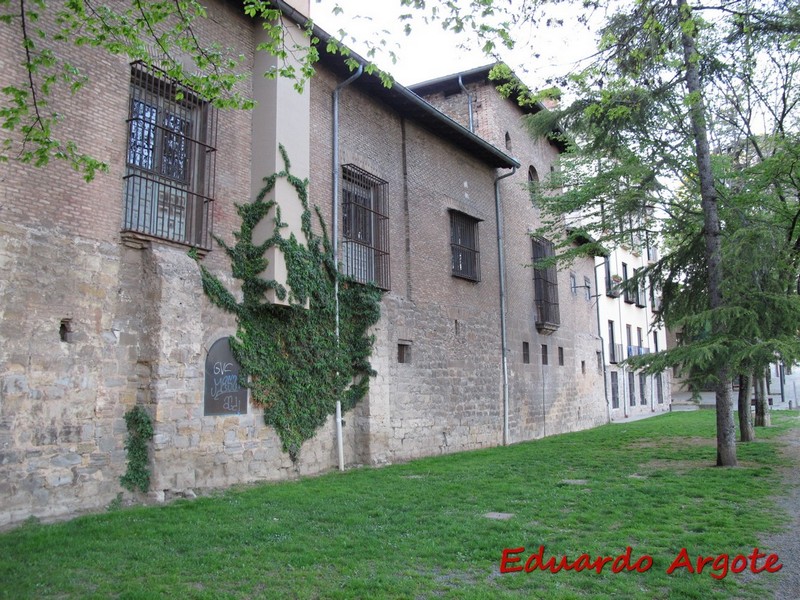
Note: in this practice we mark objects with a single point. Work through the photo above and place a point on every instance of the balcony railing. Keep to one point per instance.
(615, 353)
(160, 209)
(637, 350)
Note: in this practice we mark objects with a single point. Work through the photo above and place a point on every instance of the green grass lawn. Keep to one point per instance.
(418, 530)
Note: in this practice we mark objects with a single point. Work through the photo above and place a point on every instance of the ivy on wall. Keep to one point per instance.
(140, 432)
(289, 355)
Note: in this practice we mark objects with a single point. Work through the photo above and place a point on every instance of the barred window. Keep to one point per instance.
(545, 287)
(464, 248)
(171, 160)
(365, 227)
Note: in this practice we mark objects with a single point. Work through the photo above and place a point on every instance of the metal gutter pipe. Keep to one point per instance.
(501, 262)
(469, 103)
(335, 236)
(602, 342)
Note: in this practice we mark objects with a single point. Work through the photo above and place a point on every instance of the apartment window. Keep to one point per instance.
(639, 294)
(655, 341)
(640, 341)
(573, 284)
(659, 389)
(365, 227)
(560, 356)
(642, 386)
(587, 288)
(629, 340)
(170, 160)
(545, 287)
(628, 293)
(614, 389)
(526, 353)
(612, 347)
(464, 246)
(544, 354)
(632, 388)
(609, 282)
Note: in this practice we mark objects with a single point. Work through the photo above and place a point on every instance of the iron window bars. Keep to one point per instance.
(171, 160)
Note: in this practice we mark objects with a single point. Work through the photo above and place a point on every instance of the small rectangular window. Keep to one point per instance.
(403, 353)
(544, 354)
(660, 389)
(560, 356)
(587, 288)
(464, 250)
(526, 353)
(573, 284)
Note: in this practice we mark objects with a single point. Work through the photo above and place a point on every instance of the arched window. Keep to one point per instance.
(533, 178)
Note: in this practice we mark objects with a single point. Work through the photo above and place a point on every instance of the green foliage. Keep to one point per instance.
(140, 432)
(295, 366)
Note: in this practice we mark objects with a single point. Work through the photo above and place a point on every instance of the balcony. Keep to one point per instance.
(637, 350)
(615, 353)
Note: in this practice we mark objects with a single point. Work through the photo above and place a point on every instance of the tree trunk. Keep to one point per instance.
(762, 403)
(726, 428)
(746, 433)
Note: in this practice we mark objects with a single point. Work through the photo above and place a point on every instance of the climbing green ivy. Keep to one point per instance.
(140, 432)
(289, 355)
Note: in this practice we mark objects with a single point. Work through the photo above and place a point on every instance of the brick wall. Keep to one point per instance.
(140, 327)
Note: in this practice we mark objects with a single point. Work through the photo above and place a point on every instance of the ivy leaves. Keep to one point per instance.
(296, 368)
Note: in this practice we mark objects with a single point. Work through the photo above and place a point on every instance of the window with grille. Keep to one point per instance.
(171, 160)
(365, 227)
(464, 248)
(545, 287)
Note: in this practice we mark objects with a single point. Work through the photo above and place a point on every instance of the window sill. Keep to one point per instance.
(141, 241)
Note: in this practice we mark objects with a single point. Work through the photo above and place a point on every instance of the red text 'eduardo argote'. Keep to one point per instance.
(719, 565)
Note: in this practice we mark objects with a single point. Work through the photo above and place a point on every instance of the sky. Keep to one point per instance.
(429, 52)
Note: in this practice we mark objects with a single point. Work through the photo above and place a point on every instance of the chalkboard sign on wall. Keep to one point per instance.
(223, 394)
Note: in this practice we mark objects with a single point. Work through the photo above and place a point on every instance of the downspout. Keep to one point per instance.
(501, 262)
(602, 344)
(469, 108)
(335, 244)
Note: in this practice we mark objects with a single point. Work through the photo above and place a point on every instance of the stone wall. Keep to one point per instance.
(92, 325)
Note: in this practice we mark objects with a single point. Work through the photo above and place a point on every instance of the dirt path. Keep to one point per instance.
(787, 543)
